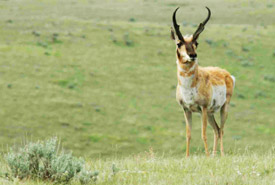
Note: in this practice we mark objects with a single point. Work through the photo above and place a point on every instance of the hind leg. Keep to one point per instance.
(213, 123)
(224, 113)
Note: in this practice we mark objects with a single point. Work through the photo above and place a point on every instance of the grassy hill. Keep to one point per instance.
(101, 75)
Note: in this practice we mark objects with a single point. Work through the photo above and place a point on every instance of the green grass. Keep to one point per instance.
(101, 75)
(147, 168)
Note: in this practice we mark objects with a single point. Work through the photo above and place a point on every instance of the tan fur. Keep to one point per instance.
(207, 77)
(188, 38)
(204, 79)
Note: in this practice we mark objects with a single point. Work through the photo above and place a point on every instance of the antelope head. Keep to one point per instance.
(186, 46)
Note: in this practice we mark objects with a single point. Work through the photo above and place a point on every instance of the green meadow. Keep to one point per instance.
(101, 76)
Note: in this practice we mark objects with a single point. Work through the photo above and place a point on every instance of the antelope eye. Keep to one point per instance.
(179, 44)
(196, 44)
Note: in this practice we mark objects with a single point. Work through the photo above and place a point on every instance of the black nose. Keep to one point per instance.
(193, 55)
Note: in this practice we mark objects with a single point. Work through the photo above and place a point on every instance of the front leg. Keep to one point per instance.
(204, 125)
(188, 120)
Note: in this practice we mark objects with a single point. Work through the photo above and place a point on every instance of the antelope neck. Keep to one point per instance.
(187, 74)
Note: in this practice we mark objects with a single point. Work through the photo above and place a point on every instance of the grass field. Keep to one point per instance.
(101, 75)
(146, 168)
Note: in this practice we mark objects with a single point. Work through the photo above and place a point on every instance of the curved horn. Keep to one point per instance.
(201, 26)
(176, 26)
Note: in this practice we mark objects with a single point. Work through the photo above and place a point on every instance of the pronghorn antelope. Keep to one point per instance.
(200, 89)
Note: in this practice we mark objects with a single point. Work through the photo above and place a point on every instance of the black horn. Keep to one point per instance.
(201, 26)
(176, 26)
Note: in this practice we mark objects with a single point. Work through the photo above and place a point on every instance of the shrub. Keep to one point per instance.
(41, 160)
(246, 63)
(209, 41)
(269, 77)
(127, 40)
(132, 19)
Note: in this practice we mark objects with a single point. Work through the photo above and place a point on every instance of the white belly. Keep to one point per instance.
(218, 97)
(188, 95)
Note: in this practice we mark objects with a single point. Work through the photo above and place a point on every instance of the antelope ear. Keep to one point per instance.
(173, 34)
(175, 38)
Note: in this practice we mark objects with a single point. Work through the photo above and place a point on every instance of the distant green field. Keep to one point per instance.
(101, 75)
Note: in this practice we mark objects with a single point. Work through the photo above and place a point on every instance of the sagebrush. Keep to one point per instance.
(42, 160)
